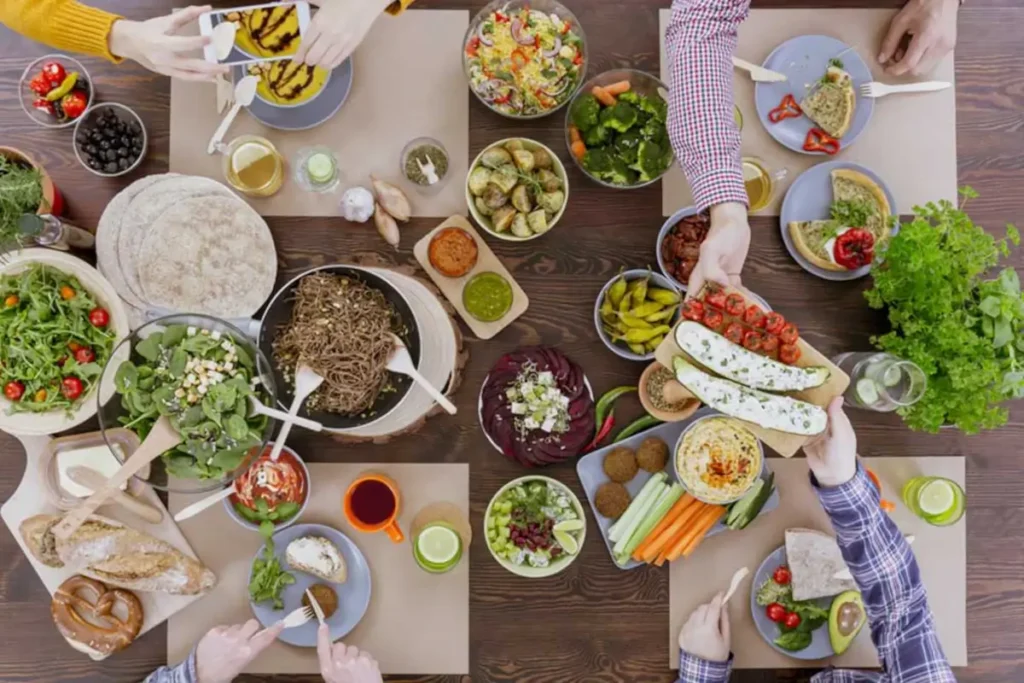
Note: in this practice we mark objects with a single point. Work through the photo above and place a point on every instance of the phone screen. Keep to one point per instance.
(261, 32)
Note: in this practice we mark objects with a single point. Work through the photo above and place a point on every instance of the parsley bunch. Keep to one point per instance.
(963, 331)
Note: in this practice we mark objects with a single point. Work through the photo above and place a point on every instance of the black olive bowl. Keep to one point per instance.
(110, 140)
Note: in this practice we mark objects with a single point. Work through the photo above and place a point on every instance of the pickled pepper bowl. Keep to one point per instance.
(656, 280)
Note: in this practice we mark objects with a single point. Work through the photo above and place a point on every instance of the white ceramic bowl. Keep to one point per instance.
(126, 114)
(682, 482)
(656, 280)
(252, 526)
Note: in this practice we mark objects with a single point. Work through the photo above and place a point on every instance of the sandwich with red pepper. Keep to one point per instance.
(832, 102)
(860, 219)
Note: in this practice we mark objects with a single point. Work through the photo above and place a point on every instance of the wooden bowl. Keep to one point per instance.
(645, 400)
(51, 201)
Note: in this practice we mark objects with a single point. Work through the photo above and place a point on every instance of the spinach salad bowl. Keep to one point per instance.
(202, 373)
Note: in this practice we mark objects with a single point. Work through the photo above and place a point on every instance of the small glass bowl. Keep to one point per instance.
(123, 113)
(26, 95)
(404, 159)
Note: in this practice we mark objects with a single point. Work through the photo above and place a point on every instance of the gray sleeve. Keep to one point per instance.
(182, 673)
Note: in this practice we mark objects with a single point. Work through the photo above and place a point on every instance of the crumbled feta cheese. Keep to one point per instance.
(518, 408)
(548, 425)
(530, 423)
(179, 393)
(201, 389)
(227, 345)
(546, 378)
(229, 366)
(191, 331)
(215, 334)
(190, 379)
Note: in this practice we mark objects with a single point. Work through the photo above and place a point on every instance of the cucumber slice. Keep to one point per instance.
(320, 167)
(867, 391)
(892, 376)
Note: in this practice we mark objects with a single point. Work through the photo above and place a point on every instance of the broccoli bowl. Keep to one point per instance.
(615, 129)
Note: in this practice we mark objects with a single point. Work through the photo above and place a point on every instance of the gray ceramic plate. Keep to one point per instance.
(809, 198)
(590, 470)
(820, 646)
(308, 114)
(353, 595)
(804, 60)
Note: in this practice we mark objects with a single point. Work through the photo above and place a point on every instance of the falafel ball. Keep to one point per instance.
(652, 454)
(612, 499)
(620, 465)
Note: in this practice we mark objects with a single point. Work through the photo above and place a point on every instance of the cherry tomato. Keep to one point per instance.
(775, 612)
(781, 575)
(713, 319)
(14, 390)
(74, 104)
(752, 340)
(43, 105)
(789, 334)
(774, 322)
(734, 333)
(11, 300)
(85, 355)
(54, 72)
(67, 293)
(693, 310)
(792, 620)
(753, 316)
(716, 298)
(39, 84)
(71, 387)
(789, 354)
(41, 395)
(99, 317)
(735, 305)
(770, 344)
(73, 346)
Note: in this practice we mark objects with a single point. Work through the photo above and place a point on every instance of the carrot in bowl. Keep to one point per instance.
(603, 96)
(616, 89)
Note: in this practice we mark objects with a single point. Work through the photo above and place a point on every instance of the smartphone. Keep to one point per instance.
(262, 33)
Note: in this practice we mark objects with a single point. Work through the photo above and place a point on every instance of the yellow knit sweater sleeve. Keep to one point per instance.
(397, 6)
(61, 24)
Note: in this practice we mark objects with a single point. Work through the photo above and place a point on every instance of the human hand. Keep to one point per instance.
(724, 249)
(225, 650)
(152, 44)
(336, 30)
(344, 664)
(706, 633)
(832, 456)
(932, 25)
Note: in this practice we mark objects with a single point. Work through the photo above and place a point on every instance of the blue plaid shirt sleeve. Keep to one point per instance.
(182, 673)
(880, 559)
(696, 670)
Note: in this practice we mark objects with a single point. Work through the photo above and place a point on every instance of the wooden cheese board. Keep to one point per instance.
(783, 443)
(452, 287)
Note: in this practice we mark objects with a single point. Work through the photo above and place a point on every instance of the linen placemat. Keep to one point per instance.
(416, 622)
(407, 83)
(910, 141)
(941, 554)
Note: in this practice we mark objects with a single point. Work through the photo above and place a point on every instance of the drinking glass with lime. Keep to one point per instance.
(936, 500)
(437, 548)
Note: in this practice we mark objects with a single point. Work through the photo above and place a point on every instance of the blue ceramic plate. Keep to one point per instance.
(820, 646)
(353, 595)
(309, 114)
(809, 198)
(803, 60)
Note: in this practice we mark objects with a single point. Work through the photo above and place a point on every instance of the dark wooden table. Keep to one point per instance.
(591, 623)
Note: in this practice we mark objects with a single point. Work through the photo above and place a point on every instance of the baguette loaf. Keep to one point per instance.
(108, 551)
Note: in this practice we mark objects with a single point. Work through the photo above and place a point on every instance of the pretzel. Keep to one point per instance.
(102, 631)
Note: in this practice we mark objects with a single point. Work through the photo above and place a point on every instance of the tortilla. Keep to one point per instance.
(814, 558)
(212, 255)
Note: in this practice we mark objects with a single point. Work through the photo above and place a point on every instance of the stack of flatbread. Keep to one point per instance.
(173, 243)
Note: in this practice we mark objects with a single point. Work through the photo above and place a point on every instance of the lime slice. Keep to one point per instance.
(892, 376)
(438, 545)
(867, 392)
(320, 167)
(936, 498)
(569, 543)
(569, 525)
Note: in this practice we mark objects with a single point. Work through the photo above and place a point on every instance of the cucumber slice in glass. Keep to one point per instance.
(867, 391)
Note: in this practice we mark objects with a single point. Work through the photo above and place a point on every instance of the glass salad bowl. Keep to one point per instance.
(200, 372)
(644, 128)
(524, 59)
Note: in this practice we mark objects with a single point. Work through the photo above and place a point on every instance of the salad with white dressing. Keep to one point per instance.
(524, 62)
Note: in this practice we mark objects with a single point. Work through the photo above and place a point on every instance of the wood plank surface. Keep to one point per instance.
(592, 623)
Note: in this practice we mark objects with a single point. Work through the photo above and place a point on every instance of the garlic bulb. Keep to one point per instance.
(357, 204)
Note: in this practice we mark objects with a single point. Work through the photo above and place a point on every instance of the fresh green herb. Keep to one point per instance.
(201, 381)
(836, 62)
(21, 191)
(268, 577)
(264, 513)
(812, 616)
(963, 331)
(852, 213)
(44, 317)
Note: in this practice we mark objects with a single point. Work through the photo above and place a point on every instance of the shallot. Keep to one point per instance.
(386, 226)
(392, 199)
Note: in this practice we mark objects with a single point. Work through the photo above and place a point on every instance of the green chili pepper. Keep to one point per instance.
(604, 404)
(617, 290)
(637, 426)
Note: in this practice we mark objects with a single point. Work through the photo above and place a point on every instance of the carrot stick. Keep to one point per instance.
(672, 530)
(579, 149)
(602, 96)
(617, 88)
(699, 529)
(660, 561)
(673, 513)
(697, 540)
(574, 134)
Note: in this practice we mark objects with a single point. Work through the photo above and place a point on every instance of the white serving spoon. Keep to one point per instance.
(245, 91)
(305, 423)
(740, 574)
(401, 362)
(306, 382)
(204, 503)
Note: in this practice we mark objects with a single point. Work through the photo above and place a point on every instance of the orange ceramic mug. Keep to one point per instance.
(372, 503)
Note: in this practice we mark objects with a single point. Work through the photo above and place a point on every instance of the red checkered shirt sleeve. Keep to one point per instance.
(699, 43)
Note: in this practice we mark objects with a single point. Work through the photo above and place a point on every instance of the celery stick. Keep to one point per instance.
(628, 531)
(658, 512)
(616, 532)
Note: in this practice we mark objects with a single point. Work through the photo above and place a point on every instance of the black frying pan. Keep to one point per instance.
(279, 312)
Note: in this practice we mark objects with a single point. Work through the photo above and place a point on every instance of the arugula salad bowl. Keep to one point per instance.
(202, 373)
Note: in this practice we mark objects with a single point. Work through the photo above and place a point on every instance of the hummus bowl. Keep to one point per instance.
(718, 460)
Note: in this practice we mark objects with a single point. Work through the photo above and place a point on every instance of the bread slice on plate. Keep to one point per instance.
(831, 104)
(851, 185)
(317, 556)
(810, 239)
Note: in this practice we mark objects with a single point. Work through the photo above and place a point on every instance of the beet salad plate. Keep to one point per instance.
(536, 407)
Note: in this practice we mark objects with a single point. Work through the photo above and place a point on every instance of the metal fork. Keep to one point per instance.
(297, 617)
(876, 89)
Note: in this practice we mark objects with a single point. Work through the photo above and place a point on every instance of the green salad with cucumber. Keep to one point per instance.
(54, 340)
(201, 380)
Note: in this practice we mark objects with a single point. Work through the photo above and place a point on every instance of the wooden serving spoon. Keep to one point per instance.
(162, 437)
(91, 479)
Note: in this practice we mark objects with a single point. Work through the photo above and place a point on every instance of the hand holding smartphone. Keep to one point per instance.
(261, 33)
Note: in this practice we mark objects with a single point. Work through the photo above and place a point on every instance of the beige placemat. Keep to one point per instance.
(407, 83)
(416, 622)
(910, 142)
(941, 554)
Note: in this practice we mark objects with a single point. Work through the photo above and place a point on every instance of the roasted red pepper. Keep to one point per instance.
(473, 46)
(820, 141)
(500, 18)
(855, 248)
(787, 109)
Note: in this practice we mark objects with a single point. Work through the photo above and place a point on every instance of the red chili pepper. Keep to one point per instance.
(602, 433)
(578, 59)
(854, 249)
(503, 99)
(820, 141)
(787, 109)
(500, 18)
(473, 46)
(565, 27)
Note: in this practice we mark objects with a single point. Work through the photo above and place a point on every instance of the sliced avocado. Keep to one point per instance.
(845, 620)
